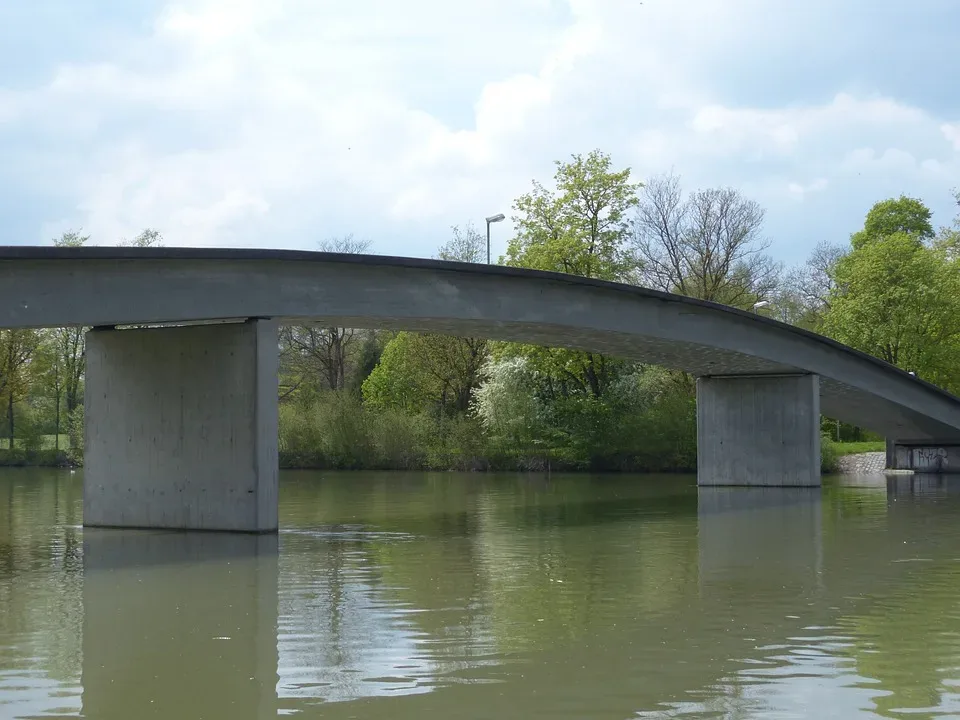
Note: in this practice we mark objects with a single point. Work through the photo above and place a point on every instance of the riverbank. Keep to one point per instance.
(18, 457)
(864, 463)
(846, 458)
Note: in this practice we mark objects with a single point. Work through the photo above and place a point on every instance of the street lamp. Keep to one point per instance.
(761, 304)
(492, 219)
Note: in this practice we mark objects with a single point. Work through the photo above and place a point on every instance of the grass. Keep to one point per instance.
(49, 442)
(855, 448)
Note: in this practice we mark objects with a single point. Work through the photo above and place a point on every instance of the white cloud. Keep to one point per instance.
(799, 190)
(277, 122)
(952, 133)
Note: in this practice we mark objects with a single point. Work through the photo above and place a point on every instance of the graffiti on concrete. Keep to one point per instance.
(929, 458)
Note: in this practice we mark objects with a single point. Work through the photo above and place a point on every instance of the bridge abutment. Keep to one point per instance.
(923, 456)
(181, 427)
(761, 431)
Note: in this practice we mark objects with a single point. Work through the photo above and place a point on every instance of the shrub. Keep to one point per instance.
(829, 454)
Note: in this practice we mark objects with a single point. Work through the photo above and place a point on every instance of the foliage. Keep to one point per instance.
(17, 350)
(71, 238)
(335, 431)
(899, 300)
(419, 372)
(829, 455)
(947, 242)
(318, 358)
(581, 227)
(903, 215)
(75, 429)
(509, 411)
(148, 237)
(465, 245)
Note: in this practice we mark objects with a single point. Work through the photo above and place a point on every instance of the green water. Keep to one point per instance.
(474, 596)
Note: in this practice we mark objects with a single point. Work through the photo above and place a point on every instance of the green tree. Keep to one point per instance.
(896, 215)
(71, 238)
(582, 227)
(898, 298)
(17, 349)
(421, 372)
(508, 407)
(947, 241)
(148, 237)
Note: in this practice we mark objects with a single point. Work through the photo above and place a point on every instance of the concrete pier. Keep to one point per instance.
(181, 427)
(761, 430)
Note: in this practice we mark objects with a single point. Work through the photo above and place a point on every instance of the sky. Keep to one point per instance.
(282, 123)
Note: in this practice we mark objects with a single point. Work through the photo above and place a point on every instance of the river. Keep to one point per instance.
(478, 596)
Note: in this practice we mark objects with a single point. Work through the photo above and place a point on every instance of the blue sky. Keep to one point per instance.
(279, 123)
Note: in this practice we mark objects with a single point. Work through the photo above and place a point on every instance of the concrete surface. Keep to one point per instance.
(758, 431)
(48, 287)
(934, 458)
(181, 428)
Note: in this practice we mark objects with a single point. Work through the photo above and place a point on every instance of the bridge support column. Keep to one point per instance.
(181, 427)
(761, 430)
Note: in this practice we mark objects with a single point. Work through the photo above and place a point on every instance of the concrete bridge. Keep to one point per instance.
(181, 420)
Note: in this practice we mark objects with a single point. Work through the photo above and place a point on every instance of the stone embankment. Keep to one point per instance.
(871, 463)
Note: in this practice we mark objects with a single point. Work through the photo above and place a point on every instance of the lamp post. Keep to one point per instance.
(492, 219)
(761, 304)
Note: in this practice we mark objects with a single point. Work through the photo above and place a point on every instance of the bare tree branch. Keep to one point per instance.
(709, 246)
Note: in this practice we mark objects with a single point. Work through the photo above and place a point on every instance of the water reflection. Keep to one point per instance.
(179, 625)
(768, 538)
(471, 596)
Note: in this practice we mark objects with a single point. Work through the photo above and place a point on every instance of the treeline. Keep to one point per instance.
(364, 399)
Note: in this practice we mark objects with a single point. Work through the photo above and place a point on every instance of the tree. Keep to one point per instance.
(346, 245)
(508, 407)
(71, 238)
(581, 227)
(947, 242)
(466, 245)
(804, 296)
(17, 348)
(419, 372)
(709, 245)
(148, 237)
(896, 215)
(898, 298)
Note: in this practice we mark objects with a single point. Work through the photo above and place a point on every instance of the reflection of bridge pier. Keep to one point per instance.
(769, 538)
(179, 625)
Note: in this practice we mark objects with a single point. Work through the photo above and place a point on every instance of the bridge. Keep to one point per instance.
(181, 419)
